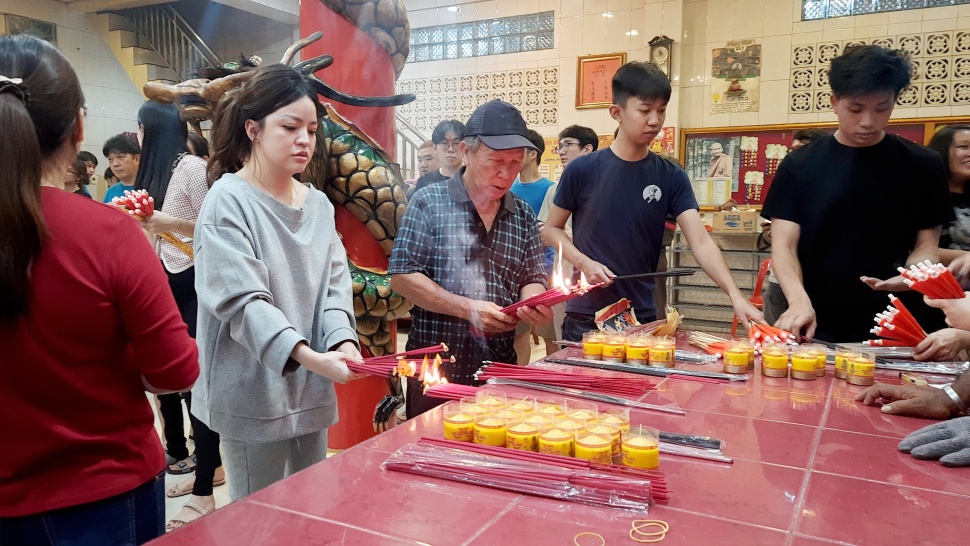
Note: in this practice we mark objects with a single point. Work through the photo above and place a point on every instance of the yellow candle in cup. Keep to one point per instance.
(614, 348)
(774, 361)
(605, 426)
(548, 406)
(821, 362)
(595, 447)
(469, 405)
(638, 349)
(861, 369)
(523, 436)
(580, 410)
(526, 404)
(491, 399)
(662, 353)
(592, 346)
(736, 359)
(842, 357)
(490, 430)
(641, 448)
(556, 441)
(803, 362)
(458, 425)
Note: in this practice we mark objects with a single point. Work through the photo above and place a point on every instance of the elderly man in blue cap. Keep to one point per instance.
(466, 248)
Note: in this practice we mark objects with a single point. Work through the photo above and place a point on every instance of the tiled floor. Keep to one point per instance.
(811, 467)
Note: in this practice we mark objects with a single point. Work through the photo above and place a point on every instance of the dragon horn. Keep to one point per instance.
(332, 94)
(298, 45)
(312, 65)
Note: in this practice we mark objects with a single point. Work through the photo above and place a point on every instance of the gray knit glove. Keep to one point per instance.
(948, 441)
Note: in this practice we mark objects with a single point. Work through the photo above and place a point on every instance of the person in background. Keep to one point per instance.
(532, 188)
(427, 162)
(198, 145)
(620, 198)
(88, 467)
(574, 141)
(467, 248)
(826, 198)
(75, 177)
(447, 136)
(273, 337)
(109, 177)
(949, 441)
(177, 181)
(773, 296)
(90, 162)
(123, 155)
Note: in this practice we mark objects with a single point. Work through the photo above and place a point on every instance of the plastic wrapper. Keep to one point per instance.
(694, 452)
(541, 480)
(698, 358)
(945, 368)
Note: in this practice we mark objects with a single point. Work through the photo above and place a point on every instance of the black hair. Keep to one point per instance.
(121, 144)
(867, 69)
(808, 136)
(540, 143)
(642, 80)
(39, 116)
(88, 156)
(440, 130)
(271, 87)
(164, 139)
(108, 175)
(198, 145)
(80, 172)
(942, 141)
(585, 136)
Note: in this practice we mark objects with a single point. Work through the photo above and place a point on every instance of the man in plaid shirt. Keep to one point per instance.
(467, 248)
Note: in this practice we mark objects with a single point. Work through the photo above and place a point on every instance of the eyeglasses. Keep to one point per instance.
(564, 145)
(445, 144)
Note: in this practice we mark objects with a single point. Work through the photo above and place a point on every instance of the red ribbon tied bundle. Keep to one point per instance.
(932, 280)
(141, 206)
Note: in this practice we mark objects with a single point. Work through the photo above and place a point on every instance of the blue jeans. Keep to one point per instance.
(127, 519)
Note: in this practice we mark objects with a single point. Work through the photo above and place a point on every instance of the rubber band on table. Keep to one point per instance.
(649, 523)
(589, 533)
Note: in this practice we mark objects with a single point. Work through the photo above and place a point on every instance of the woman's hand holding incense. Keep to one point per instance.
(540, 314)
(957, 311)
(331, 364)
(746, 311)
(596, 272)
(894, 284)
(797, 319)
(488, 317)
(908, 400)
(353, 354)
(159, 222)
(960, 267)
(943, 345)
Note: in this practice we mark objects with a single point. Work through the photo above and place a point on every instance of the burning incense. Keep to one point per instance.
(141, 206)
(562, 291)
(933, 280)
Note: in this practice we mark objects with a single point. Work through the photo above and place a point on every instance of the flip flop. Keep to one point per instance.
(185, 466)
(176, 490)
(176, 522)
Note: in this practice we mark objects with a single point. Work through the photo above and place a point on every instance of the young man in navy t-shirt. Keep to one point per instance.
(619, 198)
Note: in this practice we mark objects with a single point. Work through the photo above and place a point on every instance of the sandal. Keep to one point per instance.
(184, 488)
(185, 466)
(177, 522)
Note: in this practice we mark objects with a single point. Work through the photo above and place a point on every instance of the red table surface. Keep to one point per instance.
(811, 467)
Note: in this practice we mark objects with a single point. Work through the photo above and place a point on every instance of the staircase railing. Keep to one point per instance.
(173, 38)
(409, 140)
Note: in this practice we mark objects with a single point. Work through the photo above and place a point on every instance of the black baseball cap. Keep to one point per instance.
(499, 125)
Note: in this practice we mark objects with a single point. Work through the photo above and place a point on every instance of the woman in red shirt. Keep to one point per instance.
(84, 461)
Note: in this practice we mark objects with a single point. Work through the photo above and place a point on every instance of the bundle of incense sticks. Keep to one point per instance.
(553, 296)
(141, 206)
(933, 280)
(712, 345)
(450, 391)
(658, 483)
(759, 334)
(618, 386)
(397, 363)
(897, 326)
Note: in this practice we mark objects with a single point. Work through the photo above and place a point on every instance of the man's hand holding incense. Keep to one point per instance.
(894, 284)
(908, 400)
(540, 314)
(488, 317)
(957, 311)
(596, 272)
(799, 320)
(746, 311)
(943, 345)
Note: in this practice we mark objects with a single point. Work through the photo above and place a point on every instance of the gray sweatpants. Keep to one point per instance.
(251, 466)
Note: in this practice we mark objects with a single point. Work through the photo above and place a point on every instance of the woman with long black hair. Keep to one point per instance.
(81, 461)
(177, 181)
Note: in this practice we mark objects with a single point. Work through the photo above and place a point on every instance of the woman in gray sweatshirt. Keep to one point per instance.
(276, 322)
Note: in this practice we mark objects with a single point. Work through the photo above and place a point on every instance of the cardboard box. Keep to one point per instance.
(737, 221)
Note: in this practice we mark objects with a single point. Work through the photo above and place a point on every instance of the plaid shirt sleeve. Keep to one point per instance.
(533, 270)
(414, 244)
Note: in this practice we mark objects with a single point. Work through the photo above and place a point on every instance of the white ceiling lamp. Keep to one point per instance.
(607, 14)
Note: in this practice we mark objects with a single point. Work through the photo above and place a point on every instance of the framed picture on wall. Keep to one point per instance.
(594, 79)
(15, 24)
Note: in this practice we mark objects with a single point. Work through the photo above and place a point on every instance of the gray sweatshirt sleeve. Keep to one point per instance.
(233, 285)
(338, 321)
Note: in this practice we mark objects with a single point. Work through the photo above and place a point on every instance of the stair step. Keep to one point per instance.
(133, 39)
(148, 56)
(162, 73)
(119, 22)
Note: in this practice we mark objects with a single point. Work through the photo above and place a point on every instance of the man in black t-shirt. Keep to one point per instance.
(446, 137)
(850, 208)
